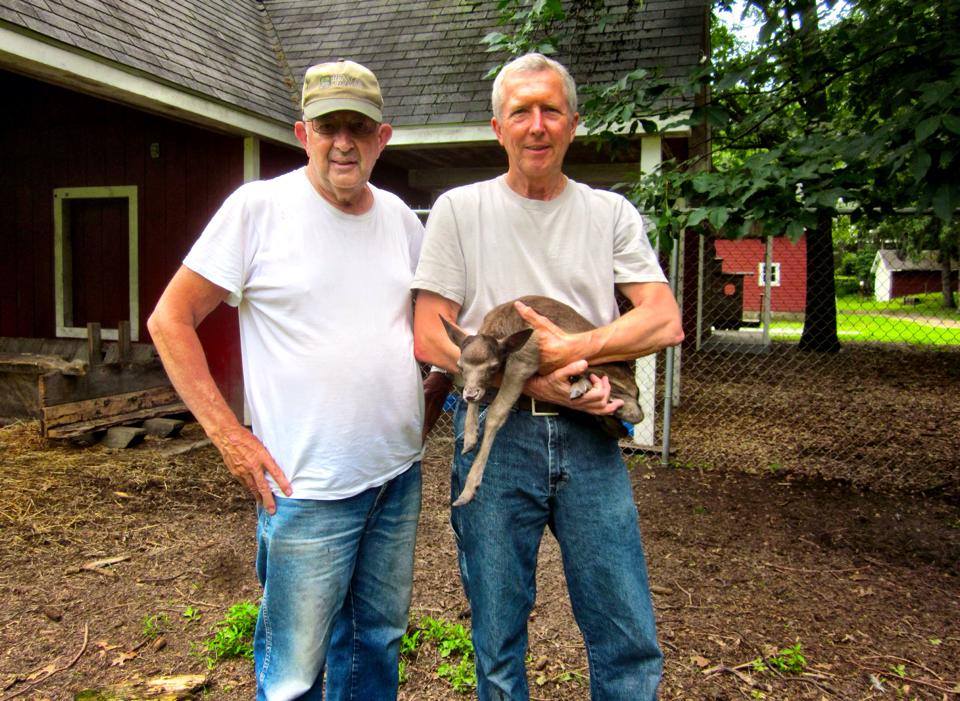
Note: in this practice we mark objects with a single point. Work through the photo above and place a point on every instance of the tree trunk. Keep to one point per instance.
(946, 280)
(820, 325)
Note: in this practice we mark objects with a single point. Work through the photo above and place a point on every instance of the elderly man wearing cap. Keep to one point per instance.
(319, 263)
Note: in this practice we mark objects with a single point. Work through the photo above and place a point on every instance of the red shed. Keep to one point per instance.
(788, 282)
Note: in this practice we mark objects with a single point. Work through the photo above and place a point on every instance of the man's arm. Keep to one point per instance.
(652, 325)
(430, 341)
(188, 299)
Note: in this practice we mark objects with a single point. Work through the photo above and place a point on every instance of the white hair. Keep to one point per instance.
(534, 63)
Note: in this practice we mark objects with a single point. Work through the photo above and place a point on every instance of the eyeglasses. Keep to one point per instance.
(360, 127)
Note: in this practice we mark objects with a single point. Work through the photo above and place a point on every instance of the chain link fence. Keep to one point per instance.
(873, 405)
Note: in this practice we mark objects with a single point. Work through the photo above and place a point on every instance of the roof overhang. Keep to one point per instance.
(481, 133)
(70, 68)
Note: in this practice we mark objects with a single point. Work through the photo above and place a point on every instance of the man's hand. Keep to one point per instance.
(555, 388)
(248, 460)
(557, 347)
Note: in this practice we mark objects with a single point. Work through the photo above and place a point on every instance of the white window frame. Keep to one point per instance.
(774, 273)
(63, 265)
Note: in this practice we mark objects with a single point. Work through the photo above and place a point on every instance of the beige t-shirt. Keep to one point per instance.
(486, 245)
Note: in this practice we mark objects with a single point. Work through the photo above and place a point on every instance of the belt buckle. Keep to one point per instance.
(533, 409)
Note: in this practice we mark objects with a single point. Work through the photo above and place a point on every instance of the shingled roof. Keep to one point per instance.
(222, 49)
(428, 57)
(427, 53)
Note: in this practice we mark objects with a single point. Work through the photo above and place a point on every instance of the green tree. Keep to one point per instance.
(839, 105)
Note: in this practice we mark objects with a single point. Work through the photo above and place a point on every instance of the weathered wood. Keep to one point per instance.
(156, 689)
(19, 398)
(87, 410)
(66, 348)
(40, 364)
(102, 381)
(123, 341)
(94, 351)
(79, 429)
(124, 436)
(163, 428)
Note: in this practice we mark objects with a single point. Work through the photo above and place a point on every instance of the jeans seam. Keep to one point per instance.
(353, 657)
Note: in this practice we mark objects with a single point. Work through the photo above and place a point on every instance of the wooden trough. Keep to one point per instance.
(75, 387)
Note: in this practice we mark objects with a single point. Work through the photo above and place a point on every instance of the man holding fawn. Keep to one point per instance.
(319, 263)
(535, 231)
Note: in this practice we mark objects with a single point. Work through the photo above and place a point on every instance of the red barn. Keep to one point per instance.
(788, 282)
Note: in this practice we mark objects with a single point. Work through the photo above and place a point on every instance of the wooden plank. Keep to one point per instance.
(106, 407)
(94, 354)
(19, 396)
(123, 340)
(102, 381)
(28, 363)
(79, 429)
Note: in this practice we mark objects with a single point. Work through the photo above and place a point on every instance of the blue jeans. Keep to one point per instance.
(337, 578)
(565, 473)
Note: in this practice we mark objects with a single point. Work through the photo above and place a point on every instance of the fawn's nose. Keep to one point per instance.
(472, 394)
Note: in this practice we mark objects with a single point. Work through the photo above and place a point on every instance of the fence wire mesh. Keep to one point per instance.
(761, 390)
(867, 397)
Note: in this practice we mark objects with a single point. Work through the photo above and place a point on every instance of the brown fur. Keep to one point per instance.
(506, 342)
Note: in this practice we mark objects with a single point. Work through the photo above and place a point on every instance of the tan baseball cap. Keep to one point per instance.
(341, 85)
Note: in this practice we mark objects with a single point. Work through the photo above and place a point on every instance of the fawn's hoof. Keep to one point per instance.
(579, 387)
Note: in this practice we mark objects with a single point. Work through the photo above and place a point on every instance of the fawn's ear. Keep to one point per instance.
(514, 341)
(454, 332)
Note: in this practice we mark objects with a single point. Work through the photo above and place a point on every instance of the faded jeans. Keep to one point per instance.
(337, 578)
(565, 473)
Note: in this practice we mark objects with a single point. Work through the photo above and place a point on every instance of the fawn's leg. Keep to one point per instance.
(497, 413)
(470, 423)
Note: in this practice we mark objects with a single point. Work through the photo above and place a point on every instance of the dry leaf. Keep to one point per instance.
(122, 658)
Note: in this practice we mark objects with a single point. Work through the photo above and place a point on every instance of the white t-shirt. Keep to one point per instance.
(326, 333)
(486, 245)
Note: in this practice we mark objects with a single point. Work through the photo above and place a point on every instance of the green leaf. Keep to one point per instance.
(795, 230)
(919, 164)
(718, 216)
(926, 128)
(494, 38)
(697, 216)
(944, 202)
(952, 122)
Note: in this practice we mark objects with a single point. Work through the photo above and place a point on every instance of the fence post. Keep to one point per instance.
(668, 369)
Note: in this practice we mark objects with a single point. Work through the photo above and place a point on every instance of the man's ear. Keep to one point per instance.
(300, 131)
(384, 133)
(454, 332)
(514, 342)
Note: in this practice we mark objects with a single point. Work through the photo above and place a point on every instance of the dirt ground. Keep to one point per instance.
(865, 578)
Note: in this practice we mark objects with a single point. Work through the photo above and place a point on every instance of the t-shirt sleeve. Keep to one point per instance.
(441, 268)
(219, 255)
(414, 237)
(634, 259)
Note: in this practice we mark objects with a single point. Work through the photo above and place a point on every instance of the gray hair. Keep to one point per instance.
(534, 63)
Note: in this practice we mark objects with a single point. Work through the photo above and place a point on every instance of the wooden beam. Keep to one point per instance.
(595, 174)
(123, 341)
(102, 381)
(75, 418)
(94, 351)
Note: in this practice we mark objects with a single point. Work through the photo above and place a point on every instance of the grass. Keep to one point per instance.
(865, 320)
(453, 645)
(233, 636)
